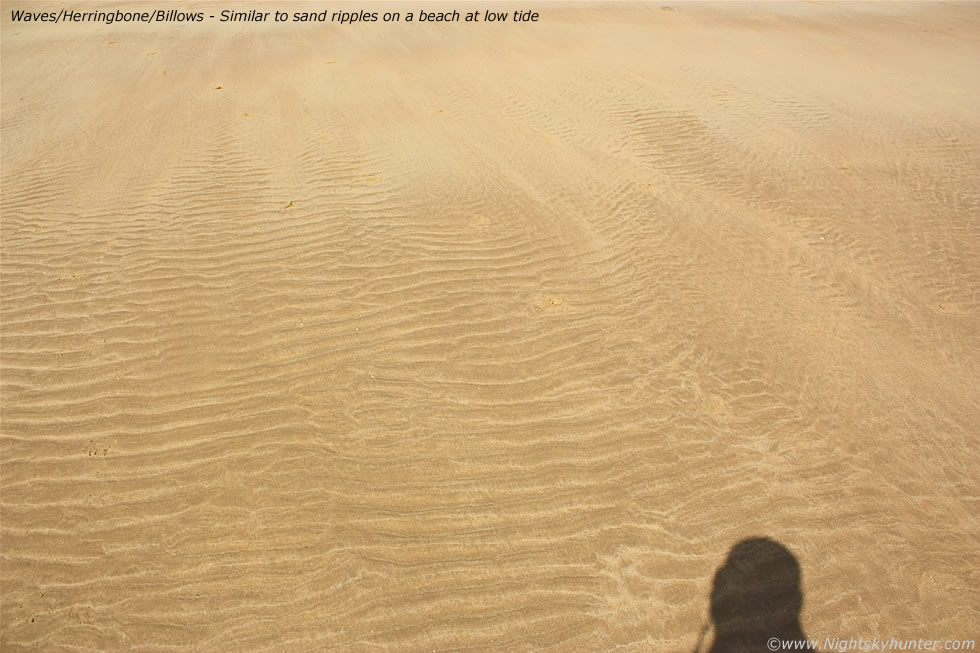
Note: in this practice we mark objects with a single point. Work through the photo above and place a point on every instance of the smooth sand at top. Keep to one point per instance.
(472, 337)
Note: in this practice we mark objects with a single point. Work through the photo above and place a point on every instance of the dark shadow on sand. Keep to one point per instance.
(757, 596)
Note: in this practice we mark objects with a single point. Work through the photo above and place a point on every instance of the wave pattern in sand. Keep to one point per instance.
(444, 338)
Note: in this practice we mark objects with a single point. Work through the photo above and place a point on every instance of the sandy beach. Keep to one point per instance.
(490, 337)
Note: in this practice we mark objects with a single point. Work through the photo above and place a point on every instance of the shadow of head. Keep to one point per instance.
(757, 595)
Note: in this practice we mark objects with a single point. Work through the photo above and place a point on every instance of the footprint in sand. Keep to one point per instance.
(550, 304)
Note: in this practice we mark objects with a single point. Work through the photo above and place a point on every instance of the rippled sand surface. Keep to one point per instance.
(471, 337)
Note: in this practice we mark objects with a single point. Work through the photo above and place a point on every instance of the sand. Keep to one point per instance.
(469, 337)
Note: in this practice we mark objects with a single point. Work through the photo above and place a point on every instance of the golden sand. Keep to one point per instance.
(498, 337)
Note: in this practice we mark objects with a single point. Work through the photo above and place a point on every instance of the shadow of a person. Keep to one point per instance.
(756, 600)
